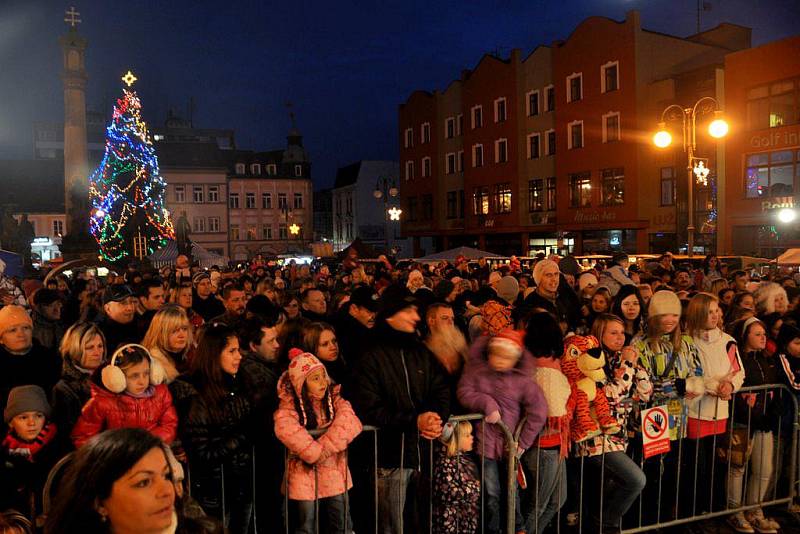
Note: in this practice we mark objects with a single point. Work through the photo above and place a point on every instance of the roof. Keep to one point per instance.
(190, 155)
(347, 175)
(43, 180)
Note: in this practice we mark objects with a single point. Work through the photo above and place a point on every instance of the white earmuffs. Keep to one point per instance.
(113, 377)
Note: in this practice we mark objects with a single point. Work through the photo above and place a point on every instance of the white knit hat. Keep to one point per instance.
(538, 269)
(664, 302)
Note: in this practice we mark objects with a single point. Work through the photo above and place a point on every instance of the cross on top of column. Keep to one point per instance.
(72, 17)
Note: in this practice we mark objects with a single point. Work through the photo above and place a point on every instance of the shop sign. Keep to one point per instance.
(488, 223)
(776, 139)
(777, 204)
(594, 216)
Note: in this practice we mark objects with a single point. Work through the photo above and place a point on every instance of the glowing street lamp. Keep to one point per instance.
(787, 215)
(718, 127)
(662, 139)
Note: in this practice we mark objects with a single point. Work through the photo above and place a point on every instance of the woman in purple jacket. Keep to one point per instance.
(497, 382)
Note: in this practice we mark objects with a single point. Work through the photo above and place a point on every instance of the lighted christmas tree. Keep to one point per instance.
(126, 191)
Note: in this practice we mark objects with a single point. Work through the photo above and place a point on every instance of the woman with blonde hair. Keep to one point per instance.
(770, 298)
(182, 296)
(83, 349)
(169, 339)
(266, 287)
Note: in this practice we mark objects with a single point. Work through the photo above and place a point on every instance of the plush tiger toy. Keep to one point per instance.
(582, 364)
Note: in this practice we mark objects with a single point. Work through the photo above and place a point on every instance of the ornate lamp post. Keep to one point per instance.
(718, 128)
(385, 190)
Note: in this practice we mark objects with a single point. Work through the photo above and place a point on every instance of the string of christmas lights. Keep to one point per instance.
(126, 191)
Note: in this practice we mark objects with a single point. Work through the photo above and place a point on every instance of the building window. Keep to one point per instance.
(501, 151)
(460, 124)
(575, 136)
(349, 204)
(213, 224)
(298, 201)
(550, 142)
(266, 231)
(272, 169)
(255, 169)
(533, 103)
(549, 98)
(551, 193)
(452, 204)
(773, 105)
(460, 161)
(252, 235)
(609, 77)
(460, 203)
(409, 170)
(534, 150)
(409, 138)
(240, 168)
(425, 132)
(283, 234)
(477, 117)
(500, 114)
(427, 207)
(580, 190)
(234, 232)
(772, 174)
(197, 194)
(502, 198)
(233, 201)
(180, 194)
(58, 227)
(667, 186)
(282, 202)
(611, 127)
(536, 195)
(449, 127)
(266, 201)
(213, 193)
(480, 201)
(298, 170)
(412, 208)
(477, 155)
(574, 87)
(250, 201)
(613, 190)
(426, 167)
(450, 163)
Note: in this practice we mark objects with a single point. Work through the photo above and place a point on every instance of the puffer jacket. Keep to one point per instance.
(107, 410)
(513, 393)
(317, 468)
(614, 278)
(719, 357)
(69, 396)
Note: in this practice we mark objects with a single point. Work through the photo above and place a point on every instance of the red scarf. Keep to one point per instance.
(19, 447)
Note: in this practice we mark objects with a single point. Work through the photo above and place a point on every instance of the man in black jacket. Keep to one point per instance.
(118, 319)
(203, 300)
(400, 388)
(553, 295)
(354, 322)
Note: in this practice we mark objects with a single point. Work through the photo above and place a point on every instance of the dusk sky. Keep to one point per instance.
(346, 66)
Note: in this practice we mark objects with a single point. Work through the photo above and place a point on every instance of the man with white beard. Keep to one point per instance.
(448, 344)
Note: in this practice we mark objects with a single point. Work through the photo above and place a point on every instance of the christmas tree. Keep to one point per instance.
(126, 191)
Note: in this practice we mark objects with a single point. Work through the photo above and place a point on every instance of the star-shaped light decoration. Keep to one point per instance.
(701, 171)
(294, 229)
(129, 78)
(394, 213)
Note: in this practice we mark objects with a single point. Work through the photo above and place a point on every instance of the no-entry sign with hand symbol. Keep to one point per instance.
(655, 431)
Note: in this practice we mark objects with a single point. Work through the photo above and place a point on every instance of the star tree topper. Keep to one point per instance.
(129, 78)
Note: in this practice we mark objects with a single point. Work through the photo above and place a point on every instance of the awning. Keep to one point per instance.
(167, 256)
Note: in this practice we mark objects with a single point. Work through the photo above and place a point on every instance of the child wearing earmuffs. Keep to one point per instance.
(128, 393)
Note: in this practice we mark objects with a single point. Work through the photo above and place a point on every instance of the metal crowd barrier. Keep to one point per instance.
(667, 505)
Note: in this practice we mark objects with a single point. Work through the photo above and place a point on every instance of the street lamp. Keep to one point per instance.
(718, 129)
(385, 190)
(787, 215)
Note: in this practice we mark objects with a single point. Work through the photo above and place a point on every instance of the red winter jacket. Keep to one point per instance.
(106, 410)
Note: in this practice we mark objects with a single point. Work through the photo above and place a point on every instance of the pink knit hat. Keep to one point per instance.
(301, 365)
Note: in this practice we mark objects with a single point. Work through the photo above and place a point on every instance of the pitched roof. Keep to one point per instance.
(347, 175)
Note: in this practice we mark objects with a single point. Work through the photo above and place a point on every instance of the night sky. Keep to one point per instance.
(345, 66)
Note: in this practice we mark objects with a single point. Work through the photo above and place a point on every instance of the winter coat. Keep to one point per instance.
(117, 334)
(395, 380)
(566, 307)
(39, 366)
(759, 409)
(69, 396)
(513, 393)
(456, 494)
(720, 359)
(208, 308)
(614, 278)
(173, 364)
(317, 467)
(47, 332)
(350, 334)
(260, 385)
(107, 410)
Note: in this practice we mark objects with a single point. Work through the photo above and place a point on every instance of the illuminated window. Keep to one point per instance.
(580, 190)
(613, 191)
(502, 198)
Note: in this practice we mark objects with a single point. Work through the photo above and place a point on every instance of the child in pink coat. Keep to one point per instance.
(316, 467)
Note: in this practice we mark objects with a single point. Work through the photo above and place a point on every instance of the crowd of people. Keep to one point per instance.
(192, 400)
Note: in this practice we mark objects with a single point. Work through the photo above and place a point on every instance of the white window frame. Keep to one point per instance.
(528, 145)
(240, 168)
(266, 231)
(266, 200)
(231, 197)
(569, 89)
(547, 147)
(447, 122)
(202, 195)
(298, 170)
(426, 167)
(459, 124)
(199, 225)
(603, 75)
(255, 169)
(234, 232)
(549, 107)
(272, 169)
(180, 194)
(409, 170)
(213, 224)
(450, 163)
(571, 125)
(297, 201)
(58, 227)
(528, 96)
(460, 161)
(425, 133)
(250, 200)
(408, 140)
(605, 129)
(213, 193)
(479, 107)
(497, 143)
(475, 148)
(497, 102)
